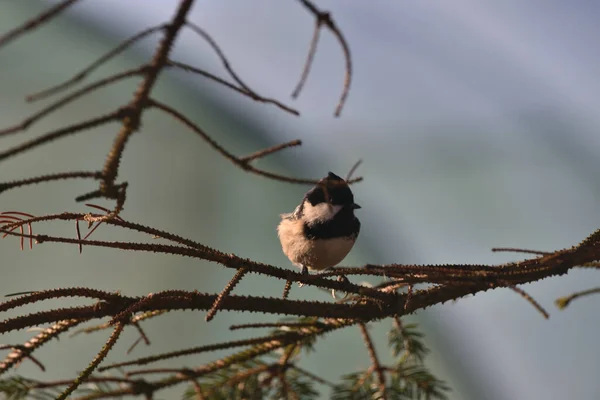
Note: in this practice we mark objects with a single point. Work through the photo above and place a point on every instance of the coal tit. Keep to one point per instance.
(322, 229)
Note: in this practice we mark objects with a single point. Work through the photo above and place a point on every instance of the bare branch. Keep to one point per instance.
(94, 364)
(49, 178)
(242, 91)
(517, 250)
(131, 124)
(270, 150)
(35, 22)
(67, 99)
(309, 58)
(62, 132)
(377, 368)
(563, 302)
(283, 325)
(290, 336)
(531, 300)
(324, 18)
(103, 59)
(225, 292)
(202, 33)
(286, 289)
(25, 350)
(237, 161)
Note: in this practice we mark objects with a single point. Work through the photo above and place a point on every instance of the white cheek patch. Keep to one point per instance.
(320, 212)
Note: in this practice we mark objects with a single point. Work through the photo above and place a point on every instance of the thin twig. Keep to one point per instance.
(225, 292)
(374, 359)
(201, 349)
(89, 69)
(25, 350)
(62, 132)
(563, 302)
(353, 169)
(271, 150)
(94, 364)
(309, 58)
(235, 160)
(202, 33)
(530, 299)
(34, 22)
(286, 289)
(252, 95)
(517, 250)
(51, 177)
(276, 325)
(143, 337)
(324, 18)
(131, 124)
(26, 123)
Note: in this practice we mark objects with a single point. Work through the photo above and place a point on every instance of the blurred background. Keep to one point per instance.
(476, 122)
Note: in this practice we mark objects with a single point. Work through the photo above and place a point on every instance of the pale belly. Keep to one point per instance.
(313, 254)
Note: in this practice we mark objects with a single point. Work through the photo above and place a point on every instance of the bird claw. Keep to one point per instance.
(340, 278)
(303, 272)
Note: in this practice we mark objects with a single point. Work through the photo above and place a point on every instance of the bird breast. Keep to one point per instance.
(317, 254)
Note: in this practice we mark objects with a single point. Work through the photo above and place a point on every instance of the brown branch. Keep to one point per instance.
(36, 297)
(51, 177)
(309, 58)
(25, 350)
(517, 250)
(26, 123)
(34, 22)
(202, 33)
(229, 261)
(94, 364)
(286, 289)
(324, 18)
(377, 368)
(235, 160)
(91, 379)
(353, 170)
(201, 301)
(89, 69)
(131, 124)
(201, 349)
(563, 302)
(143, 337)
(242, 91)
(62, 132)
(530, 299)
(225, 292)
(270, 150)
(240, 357)
(275, 325)
(514, 273)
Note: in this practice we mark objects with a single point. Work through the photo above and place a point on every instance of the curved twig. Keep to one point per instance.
(324, 18)
(89, 69)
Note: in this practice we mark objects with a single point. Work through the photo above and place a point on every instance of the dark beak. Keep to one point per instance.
(355, 206)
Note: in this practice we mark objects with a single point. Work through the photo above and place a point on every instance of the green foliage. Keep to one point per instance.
(275, 375)
(254, 380)
(308, 343)
(407, 343)
(15, 387)
(20, 388)
(407, 379)
(413, 382)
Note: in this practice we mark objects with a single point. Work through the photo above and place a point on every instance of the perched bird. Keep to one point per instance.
(322, 229)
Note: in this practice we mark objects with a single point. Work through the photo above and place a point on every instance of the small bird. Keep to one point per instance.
(323, 228)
